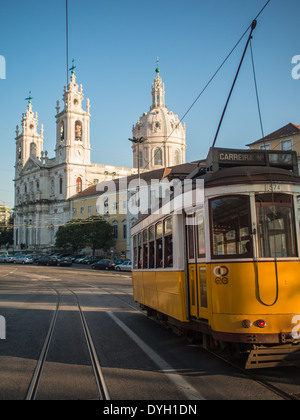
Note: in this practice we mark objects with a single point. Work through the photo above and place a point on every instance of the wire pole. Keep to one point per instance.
(253, 26)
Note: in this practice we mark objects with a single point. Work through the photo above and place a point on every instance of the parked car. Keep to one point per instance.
(9, 259)
(3, 258)
(103, 265)
(23, 259)
(91, 260)
(79, 260)
(47, 260)
(65, 261)
(6, 258)
(125, 266)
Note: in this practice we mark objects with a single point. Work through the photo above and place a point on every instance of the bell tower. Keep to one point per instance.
(73, 126)
(29, 143)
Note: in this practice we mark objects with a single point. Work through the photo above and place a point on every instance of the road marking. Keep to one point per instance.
(188, 390)
(5, 275)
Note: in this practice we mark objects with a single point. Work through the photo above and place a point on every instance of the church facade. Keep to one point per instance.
(45, 187)
(165, 136)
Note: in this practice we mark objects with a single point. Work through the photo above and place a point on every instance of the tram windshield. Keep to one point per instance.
(231, 227)
(276, 227)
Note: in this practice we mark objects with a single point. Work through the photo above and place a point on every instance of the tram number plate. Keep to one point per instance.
(272, 187)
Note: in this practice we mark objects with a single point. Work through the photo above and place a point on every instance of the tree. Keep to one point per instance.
(99, 233)
(93, 232)
(71, 235)
(6, 232)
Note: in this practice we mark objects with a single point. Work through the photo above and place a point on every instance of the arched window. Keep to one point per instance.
(33, 149)
(78, 185)
(124, 229)
(60, 185)
(115, 229)
(78, 130)
(62, 131)
(141, 159)
(52, 187)
(157, 157)
(177, 157)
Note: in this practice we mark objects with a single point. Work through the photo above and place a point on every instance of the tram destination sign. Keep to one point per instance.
(221, 158)
(242, 157)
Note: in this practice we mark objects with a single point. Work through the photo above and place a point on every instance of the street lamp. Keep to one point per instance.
(138, 141)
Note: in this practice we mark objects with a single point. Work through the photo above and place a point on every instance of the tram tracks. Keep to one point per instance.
(38, 372)
(33, 389)
(250, 375)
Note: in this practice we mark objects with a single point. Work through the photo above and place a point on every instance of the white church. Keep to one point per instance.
(44, 185)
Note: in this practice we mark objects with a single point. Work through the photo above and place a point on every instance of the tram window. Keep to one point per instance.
(140, 255)
(135, 252)
(151, 233)
(168, 226)
(145, 249)
(168, 238)
(230, 218)
(159, 245)
(190, 237)
(276, 228)
(200, 234)
(151, 237)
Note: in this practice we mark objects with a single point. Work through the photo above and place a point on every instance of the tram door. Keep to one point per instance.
(196, 265)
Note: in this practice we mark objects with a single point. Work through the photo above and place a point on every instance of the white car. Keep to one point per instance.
(23, 259)
(3, 258)
(125, 266)
(9, 259)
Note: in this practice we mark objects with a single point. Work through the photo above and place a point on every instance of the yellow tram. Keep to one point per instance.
(227, 269)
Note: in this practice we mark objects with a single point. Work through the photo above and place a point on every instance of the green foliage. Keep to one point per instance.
(6, 232)
(93, 232)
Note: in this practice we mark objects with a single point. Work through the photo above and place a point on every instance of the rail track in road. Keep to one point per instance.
(250, 375)
(70, 289)
(37, 375)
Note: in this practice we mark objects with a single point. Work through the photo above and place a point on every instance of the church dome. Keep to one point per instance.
(165, 142)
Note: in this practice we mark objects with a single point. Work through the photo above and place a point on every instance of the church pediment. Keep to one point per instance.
(30, 166)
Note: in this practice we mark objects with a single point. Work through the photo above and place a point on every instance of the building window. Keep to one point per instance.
(124, 229)
(78, 185)
(81, 210)
(141, 159)
(60, 185)
(157, 157)
(62, 131)
(286, 145)
(33, 149)
(265, 147)
(177, 157)
(78, 131)
(115, 229)
(89, 210)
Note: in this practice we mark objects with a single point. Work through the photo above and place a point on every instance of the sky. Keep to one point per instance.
(115, 44)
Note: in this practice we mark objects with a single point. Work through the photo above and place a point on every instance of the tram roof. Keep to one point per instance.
(250, 175)
(244, 162)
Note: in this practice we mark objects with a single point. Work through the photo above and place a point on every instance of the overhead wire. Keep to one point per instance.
(255, 260)
(210, 80)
